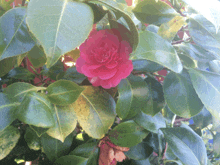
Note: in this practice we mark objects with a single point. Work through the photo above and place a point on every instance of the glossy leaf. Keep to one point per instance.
(33, 141)
(201, 30)
(139, 152)
(89, 151)
(14, 32)
(6, 65)
(8, 139)
(17, 91)
(186, 145)
(150, 123)
(196, 52)
(188, 61)
(208, 89)
(69, 159)
(37, 57)
(214, 66)
(21, 73)
(209, 10)
(152, 12)
(35, 110)
(127, 134)
(120, 8)
(72, 75)
(156, 97)
(169, 30)
(154, 48)
(63, 92)
(55, 23)
(53, 71)
(38, 130)
(180, 95)
(95, 111)
(146, 65)
(202, 119)
(65, 119)
(7, 110)
(133, 95)
(140, 162)
(54, 148)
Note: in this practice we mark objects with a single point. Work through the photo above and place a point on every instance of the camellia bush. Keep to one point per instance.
(98, 82)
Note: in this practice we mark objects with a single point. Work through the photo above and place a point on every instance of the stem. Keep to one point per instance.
(173, 120)
(23, 2)
(25, 62)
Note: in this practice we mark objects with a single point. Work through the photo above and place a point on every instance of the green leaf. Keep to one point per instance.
(146, 65)
(152, 12)
(133, 95)
(180, 95)
(7, 110)
(194, 51)
(21, 73)
(203, 119)
(209, 10)
(17, 91)
(214, 66)
(169, 30)
(63, 92)
(37, 57)
(14, 36)
(216, 144)
(156, 97)
(201, 30)
(60, 26)
(127, 134)
(140, 162)
(186, 145)
(95, 110)
(154, 48)
(54, 148)
(33, 141)
(8, 139)
(120, 8)
(72, 75)
(139, 152)
(65, 122)
(89, 151)
(38, 130)
(6, 65)
(150, 123)
(70, 159)
(208, 89)
(54, 71)
(188, 61)
(35, 110)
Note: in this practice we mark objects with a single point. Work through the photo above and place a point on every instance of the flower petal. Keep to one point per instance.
(79, 63)
(106, 73)
(112, 64)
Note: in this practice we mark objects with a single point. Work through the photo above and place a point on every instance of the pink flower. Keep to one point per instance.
(104, 58)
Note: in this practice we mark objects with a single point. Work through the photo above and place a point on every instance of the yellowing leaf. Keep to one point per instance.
(95, 110)
(168, 30)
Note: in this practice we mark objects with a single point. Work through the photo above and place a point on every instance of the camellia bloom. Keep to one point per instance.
(104, 58)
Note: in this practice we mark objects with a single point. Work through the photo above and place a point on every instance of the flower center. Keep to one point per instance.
(103, 53)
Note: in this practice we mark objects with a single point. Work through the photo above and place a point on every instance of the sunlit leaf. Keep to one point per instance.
(65, 122)
(56, 23)
(154, 48)
(95, 111)
(8, 139)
